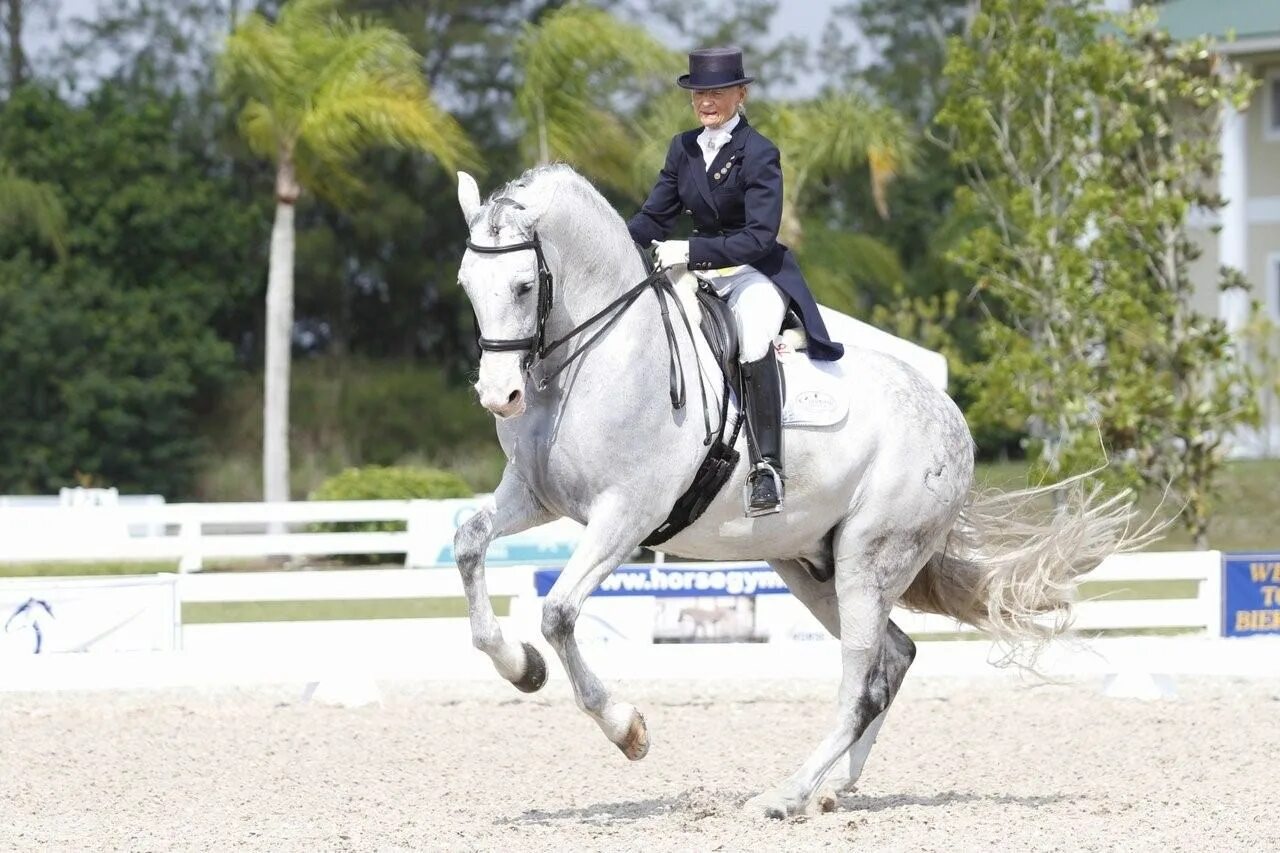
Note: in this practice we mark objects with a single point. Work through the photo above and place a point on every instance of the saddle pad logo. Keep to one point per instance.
(816, 403)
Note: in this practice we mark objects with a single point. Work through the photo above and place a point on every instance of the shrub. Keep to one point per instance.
(378, 482)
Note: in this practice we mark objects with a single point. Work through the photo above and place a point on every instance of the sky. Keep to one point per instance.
(805, 18)
(795, 17)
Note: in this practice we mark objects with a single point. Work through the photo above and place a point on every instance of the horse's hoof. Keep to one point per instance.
(535, 671)
(635, 745)
(770, 805)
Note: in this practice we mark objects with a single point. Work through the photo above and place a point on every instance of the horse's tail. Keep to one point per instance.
(1010, 563)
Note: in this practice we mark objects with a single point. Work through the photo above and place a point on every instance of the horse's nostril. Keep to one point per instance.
(514, 397)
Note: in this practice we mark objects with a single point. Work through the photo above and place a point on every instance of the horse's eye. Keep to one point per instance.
(524, 289)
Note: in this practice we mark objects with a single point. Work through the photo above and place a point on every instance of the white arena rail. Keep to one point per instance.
(192, 533)
(440, 648)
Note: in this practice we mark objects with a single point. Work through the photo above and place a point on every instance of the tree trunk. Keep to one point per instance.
(17, 59)
(279, 339)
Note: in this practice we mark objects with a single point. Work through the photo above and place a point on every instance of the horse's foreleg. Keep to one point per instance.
(515, 509)
(604, 545)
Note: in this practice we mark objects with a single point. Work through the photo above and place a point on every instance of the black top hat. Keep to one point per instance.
(714, 68)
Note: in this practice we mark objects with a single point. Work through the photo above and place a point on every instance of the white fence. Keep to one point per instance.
(432, 648)
(190, 534)
(439, 648)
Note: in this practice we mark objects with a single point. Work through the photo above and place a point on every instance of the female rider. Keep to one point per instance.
(728, 177)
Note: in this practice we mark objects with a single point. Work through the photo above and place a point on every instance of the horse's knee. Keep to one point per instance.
(472, 539)
(558, 617)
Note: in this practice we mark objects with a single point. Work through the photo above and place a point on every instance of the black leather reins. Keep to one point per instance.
(539, 349)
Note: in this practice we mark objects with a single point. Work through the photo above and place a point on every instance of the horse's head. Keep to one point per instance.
(504, 289)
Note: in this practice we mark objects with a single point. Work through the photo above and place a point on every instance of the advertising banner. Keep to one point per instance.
(116, 614)
(1250, 594)
(687, 603)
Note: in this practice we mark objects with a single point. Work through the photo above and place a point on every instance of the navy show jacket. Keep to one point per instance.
(736, 207)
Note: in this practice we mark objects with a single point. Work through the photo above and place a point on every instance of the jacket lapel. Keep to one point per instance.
(729, 157)
(698, 169)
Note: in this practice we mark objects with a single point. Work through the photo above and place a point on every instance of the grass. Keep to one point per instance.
(1247, 516)
(323, 611)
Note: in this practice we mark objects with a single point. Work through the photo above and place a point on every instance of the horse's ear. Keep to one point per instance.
(468, 196)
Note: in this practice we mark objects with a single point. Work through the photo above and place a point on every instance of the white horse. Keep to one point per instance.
(879, 510)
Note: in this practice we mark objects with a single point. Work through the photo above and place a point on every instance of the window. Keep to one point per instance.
(1271, 112)
(1272, 300)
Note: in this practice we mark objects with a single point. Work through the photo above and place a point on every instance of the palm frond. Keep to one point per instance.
(302, 18)
(259, 62)
(338, 128)
(259, 128)
(845, 269)
(582, 72)
(324, 89)
(835, 136)
(32, 206)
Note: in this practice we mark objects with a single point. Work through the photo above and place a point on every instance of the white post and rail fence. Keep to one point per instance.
(668, 620)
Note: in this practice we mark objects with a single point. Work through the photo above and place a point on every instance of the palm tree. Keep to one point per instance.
(318, 91)
(582, 72)
(33, 206)
(833, 136)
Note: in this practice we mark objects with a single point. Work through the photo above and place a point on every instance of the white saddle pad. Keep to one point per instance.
(817, 393)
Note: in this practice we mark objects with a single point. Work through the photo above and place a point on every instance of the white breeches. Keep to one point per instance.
(759, 308)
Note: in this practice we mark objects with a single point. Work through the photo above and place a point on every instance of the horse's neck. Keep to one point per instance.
(595, 267)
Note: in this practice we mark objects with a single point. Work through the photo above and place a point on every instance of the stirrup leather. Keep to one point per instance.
(762, 467)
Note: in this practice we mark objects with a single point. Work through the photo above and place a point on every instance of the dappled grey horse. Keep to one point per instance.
(880, 506)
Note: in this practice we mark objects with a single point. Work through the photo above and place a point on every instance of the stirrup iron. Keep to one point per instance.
(749, 511)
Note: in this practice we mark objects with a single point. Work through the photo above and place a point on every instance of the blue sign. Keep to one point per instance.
(673, 580)
(1250, 594)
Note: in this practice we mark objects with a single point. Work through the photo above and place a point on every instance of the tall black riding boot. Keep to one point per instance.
(762, 402)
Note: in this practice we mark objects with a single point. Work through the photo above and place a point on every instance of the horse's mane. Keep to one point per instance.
(547, 181)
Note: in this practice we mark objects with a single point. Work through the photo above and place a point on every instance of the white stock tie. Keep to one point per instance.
(711, 141)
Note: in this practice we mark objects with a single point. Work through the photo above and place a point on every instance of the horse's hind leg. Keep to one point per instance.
(515, 509)
(873, 567)
(820, 599)
(899, 652)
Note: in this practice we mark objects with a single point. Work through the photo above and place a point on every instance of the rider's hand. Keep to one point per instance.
(671, 253)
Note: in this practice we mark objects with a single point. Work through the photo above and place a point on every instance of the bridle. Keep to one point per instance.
(536, 343)
(538, 348)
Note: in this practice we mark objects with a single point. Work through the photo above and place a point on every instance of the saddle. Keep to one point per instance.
(718, 326)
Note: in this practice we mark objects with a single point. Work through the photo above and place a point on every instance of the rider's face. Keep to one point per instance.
(714, 107)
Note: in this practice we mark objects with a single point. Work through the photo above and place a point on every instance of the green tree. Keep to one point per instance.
(895, 50)
(1022, 92)
(111, 354)
(1159, 136)
(319, 91)
(1087, 139)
